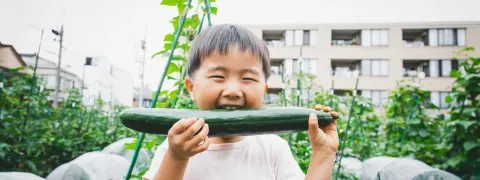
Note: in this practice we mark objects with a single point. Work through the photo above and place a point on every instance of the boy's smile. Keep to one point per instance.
(228, 81)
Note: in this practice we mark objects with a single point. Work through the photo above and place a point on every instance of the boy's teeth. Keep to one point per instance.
(229, 107)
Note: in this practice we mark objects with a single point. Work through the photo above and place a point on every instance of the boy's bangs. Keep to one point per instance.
(220, 39)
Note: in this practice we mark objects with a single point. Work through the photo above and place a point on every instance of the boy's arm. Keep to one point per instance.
(324, 146)
(182, 144)
(171, 167)
(321, 166)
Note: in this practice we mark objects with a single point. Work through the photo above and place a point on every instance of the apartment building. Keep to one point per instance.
(102, 79)
(379, 54)
(47, 72)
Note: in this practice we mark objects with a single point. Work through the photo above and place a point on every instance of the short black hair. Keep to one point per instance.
(220, 38)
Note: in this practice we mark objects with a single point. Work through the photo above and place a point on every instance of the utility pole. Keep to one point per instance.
(140, 93)
(57, 88)
(36, 61)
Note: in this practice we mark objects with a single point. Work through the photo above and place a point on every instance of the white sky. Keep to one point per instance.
(115, 27)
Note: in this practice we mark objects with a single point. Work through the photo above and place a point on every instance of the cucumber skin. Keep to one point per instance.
(275, 120)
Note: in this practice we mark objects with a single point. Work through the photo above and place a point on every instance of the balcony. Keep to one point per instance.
(274, 38)
(415, 37)
(343, 95)
(272, 97)
(364, 37)
(415, 68)
(346, 37)
(432, 75)
(277, 67)
(345, 67)
(446, 37)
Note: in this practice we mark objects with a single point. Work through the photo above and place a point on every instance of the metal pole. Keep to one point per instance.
(36, 59)
(346, 131)
(83, 82)
(57, 88)
(140, 93)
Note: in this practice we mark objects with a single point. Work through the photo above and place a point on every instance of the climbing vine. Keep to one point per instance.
(461, 140)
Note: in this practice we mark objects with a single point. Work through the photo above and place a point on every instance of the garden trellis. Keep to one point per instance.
(178, 32)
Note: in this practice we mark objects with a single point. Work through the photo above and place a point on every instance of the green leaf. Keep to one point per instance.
(470, 145)
(456, 160)
(172, 94)
(455, 73)
(177, 58)
(167, 46)
(423, 133)
(164, 92)
(449, 99)
(175, 22)
(171, 78)
(181, 7)
(466, 124)
(168, 38)
(159, 53)
(194, 21)
(469, 111)
(172, 68)
(213, 10)
(169, 2)
(31, 165)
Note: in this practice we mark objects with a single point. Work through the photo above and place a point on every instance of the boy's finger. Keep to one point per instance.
(313, 124)
(180, 126)
(197, 139)
(332, 127)
(193, 129)
(202, 147)
(334, 114)
(327, 109)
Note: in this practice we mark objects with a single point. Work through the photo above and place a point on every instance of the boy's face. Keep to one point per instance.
(234, 80)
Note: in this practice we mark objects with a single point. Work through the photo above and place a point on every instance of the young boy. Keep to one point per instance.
(228, 68)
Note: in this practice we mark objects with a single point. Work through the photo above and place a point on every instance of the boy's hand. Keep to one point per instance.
(323, 140)
(183, 140)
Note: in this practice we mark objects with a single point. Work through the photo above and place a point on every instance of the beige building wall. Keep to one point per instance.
(394, 52)
(8, 59)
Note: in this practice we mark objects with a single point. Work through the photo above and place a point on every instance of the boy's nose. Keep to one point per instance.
(232, 90)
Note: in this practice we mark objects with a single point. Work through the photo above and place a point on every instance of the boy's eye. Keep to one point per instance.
(249, 79)
(217, 77)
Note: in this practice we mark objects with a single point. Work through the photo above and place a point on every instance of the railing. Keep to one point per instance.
(345, 43)
(343, 73)
(414, 43)
(275, 43)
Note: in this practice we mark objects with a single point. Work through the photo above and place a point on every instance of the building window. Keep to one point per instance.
(300, 37)
(374, 67)
(146, 102)
(442, 68)
(91, 61)
(438, 99)
(447, 37)
(308, 66)
(271, 99)
(66, 84)
(379, 98)
(374, 37)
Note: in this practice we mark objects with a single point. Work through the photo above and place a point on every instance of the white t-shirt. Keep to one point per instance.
(262, 157)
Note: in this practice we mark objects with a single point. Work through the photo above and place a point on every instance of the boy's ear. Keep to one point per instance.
(266, 87)
(189, 84)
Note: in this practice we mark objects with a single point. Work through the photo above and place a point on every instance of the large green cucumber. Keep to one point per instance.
(273, 120)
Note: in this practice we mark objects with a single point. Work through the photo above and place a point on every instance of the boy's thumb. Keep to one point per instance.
(313, 124)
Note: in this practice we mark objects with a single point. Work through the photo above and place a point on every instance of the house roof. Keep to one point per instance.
(49, 62)
(14, 52)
